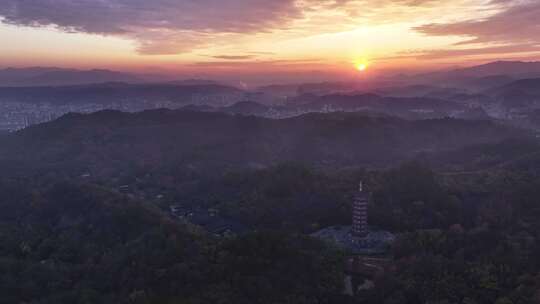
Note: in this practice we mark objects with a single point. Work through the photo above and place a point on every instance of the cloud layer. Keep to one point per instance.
(515, 27)
(161, 26)
(177, 26)
(181, 26)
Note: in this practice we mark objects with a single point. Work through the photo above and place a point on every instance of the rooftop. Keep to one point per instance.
(376, 242)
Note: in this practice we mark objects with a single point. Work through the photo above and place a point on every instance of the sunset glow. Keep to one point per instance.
(361, 65)
(245, 37)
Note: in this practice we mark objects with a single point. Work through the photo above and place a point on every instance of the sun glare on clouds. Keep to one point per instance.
(314, 35)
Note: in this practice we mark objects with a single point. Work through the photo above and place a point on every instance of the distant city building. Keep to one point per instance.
(360, 227)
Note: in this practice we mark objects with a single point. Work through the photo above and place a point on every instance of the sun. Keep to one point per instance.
(361, 65)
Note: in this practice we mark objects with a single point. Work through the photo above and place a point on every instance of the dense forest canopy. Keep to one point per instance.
(111, 141)
(464, 211)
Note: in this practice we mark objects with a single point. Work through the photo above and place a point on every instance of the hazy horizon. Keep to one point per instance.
(246, 40)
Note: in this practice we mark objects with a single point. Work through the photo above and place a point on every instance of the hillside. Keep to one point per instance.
(521, 95)
(516, 68)
(60, 77)
(246, 108)
(111, 140)
(481, 77)
(68, 243)
(523, 86)
(405, 107)
(122, 92)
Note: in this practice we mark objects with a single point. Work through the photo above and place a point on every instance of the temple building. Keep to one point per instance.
(360, 213)
(358, 238)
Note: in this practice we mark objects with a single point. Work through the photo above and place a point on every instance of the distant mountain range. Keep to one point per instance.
(499, 88)
(207, 96)
(58, 77)
(189, 92)
(509, 68)
(368, 104)
(481, 77)
(477, 77)
(52, 77)
(523, 86)
(405, 107)
(464, 80)
(521, 95)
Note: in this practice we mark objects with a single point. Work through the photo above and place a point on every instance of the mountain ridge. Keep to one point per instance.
(213, 141)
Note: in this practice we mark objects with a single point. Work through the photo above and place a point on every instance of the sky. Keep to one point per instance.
(250, 38)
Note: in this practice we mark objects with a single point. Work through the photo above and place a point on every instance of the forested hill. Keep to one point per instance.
(115, 140)
(84, 244)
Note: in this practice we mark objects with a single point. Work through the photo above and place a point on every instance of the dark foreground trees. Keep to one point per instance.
(81, 244)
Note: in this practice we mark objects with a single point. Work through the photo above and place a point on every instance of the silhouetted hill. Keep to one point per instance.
(481, 77)
(246, 108)
(60, 77)
(525, 86)
(407, 91)
(523, 94)
(496, 70)
(517, 68)
(240, 108)
(10, 75)
(192, 82)
(406, 107)
(123, 92)
(198, 108)
(491, 81)
(279, 90)
(354, 101)
(329, 87)
(113, 141)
